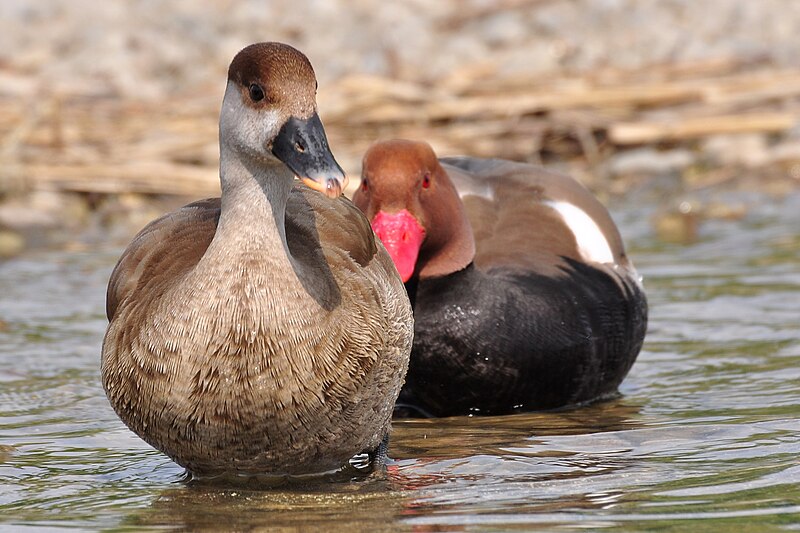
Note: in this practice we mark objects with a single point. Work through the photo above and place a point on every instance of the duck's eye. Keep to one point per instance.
(364, 185)
(256, 92)
(426, 181)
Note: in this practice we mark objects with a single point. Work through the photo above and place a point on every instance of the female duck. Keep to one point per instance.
(230, 346)
(523, 296)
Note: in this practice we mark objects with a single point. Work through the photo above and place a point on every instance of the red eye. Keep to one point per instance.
(426, 181)
(364, 185)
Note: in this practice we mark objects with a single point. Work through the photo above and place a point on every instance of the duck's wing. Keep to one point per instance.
(163, 251)
(337, 223)
(525, 216)
(327, 240)
(335, 241)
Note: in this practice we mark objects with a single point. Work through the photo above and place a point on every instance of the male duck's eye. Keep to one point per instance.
(364, 185)
(256, 92)
(426, 181)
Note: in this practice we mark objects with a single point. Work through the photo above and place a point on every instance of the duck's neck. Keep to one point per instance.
(254, 197)
(249, 256)
(450, 244)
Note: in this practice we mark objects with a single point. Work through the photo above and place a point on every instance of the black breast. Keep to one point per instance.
(507, 341)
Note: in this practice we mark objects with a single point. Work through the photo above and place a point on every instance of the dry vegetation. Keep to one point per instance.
(592, 105)
(119, 145)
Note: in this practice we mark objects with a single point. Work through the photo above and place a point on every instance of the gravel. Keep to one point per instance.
(148, 49)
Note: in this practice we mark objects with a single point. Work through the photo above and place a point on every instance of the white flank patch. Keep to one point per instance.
(592, 244)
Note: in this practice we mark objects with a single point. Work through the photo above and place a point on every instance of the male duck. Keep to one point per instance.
(523, 296)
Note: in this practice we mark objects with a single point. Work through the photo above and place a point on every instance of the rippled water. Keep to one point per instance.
(706, 435)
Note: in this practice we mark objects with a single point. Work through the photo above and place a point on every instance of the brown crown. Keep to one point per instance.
(283, 72)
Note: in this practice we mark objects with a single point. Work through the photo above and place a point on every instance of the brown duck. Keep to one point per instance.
(523, 295)
(266, 332)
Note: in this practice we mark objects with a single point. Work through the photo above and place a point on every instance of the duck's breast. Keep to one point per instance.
(369, 318)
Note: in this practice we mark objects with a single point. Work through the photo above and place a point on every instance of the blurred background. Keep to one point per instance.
(108, 110)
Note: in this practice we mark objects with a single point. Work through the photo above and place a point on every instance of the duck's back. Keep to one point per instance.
(551, 313)
(526, 216)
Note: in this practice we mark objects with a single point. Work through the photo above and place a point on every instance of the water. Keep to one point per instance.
(705, 436)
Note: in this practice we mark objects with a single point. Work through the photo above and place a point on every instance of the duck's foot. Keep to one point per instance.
(375, 465)
(379, 457)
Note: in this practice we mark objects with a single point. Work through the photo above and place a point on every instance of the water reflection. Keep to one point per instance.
(460, 436)
(431, 460)
(363, 506)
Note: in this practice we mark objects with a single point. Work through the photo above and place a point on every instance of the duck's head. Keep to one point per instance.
(269, 114)
(414, 209)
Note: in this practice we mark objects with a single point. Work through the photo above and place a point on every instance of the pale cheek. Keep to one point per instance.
(245, 127)
(592, 244)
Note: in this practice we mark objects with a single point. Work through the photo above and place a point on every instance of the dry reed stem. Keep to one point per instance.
(169, 147)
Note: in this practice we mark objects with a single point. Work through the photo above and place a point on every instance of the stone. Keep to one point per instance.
(11, 244)
(649, 161)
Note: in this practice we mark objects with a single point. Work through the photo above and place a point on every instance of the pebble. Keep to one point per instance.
(649, 161)
(44, 209)
(11, 244)
(748, 150)
(678, 225)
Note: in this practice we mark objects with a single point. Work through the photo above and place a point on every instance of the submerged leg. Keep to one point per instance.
(379, 457)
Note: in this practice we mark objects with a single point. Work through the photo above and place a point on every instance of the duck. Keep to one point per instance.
(230, 345)
(524, 297)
